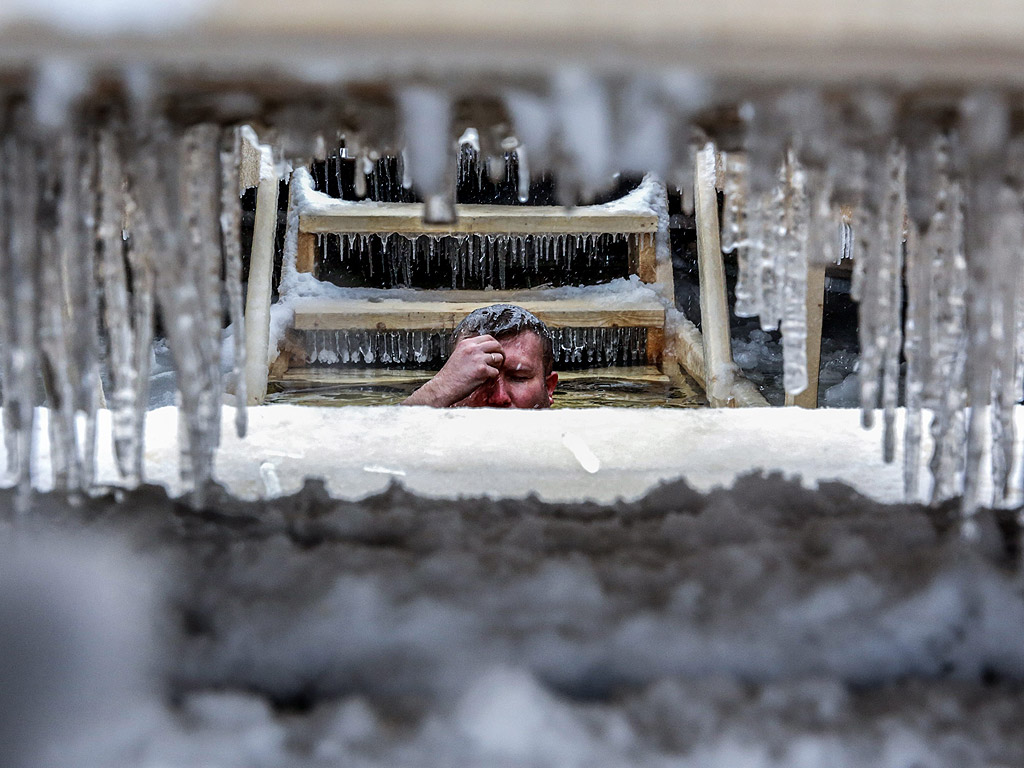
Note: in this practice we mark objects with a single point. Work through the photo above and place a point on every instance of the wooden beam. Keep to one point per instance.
(655, 344)
(324, 375)
(407, 219)
(815, 305)
(685, 349)
(394, 315)
(305, 255)
(258, 291)
(714, 308)
(643, 260)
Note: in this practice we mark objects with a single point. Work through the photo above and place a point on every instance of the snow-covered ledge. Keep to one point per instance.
(599, 454)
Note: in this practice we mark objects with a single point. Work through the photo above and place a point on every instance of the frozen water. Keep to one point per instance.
(820, 176)
(768, 623)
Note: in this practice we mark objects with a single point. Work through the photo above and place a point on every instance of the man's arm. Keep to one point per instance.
(474, 361)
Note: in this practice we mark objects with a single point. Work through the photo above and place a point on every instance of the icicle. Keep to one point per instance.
(947, 340)
(343, 340)
(916, 350)
(201, 209)
(1005, 267)
(894, 223)
(875, 264)
(985, 125)
(426, 117)
(359, 180)
(522, 175)
(230, 230)
(20, 279)
(140, 260)
(8, 316)
(182, 307)
(59, 196)
(86, 312)
(794, 279)
(733, 211)
(581, 106)
(118, 319)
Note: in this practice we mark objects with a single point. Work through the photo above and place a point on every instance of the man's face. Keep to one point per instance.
(521, 382)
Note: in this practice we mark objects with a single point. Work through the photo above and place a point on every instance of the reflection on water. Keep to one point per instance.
(643, 388)
(594, 392)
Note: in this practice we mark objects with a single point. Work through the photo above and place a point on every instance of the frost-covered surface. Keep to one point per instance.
(446, 453)
(648, 198)
(767, 625)
(620, 291)
(759, 357)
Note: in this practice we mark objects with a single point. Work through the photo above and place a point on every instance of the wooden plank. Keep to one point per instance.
(305, 256)
(584, 296)
(714, 307)
(643, 260)
(655, 345)
(815, 306)
(593, 295)
(685, 349)
(327, 314)
(258, 291)
(407, 219)
(324, 376)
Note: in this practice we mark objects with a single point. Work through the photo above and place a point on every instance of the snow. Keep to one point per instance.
(598, 454)
(470, 137)
(764, 625)
(621, 291)
(647, 198)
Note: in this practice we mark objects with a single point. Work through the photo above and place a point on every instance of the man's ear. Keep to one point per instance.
(551, 381)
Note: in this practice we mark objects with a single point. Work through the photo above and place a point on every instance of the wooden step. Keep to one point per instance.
(435, 311)
(407, 219)
(314, 376)
(436, 314)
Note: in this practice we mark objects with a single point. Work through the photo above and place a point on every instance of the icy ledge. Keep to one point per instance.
(595, 454)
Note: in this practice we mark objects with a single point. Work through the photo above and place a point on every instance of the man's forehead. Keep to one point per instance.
(526, 342)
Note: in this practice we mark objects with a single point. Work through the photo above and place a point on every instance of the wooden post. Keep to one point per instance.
(655, 344)
(815, 305)
(261, 269)
(305, 255)
(643, 261)
(714, 306)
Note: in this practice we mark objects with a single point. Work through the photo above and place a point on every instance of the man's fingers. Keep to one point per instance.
(490, 345)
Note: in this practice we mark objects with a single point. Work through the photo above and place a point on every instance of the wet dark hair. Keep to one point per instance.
(502, 321)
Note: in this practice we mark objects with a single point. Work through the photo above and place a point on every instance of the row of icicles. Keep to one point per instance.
(107, 231)
(161, 207)
(941, 324)
(480, 261)
(571, 347)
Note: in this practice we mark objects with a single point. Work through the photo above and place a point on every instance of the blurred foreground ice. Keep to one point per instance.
(767, 625)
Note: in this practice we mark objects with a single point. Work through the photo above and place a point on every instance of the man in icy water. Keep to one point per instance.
(502, 359)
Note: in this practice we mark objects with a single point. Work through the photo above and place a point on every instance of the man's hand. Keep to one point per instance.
(474, 361)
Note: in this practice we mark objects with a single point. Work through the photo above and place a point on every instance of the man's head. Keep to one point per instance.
(526, 378)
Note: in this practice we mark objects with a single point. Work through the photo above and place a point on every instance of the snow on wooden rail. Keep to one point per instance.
(319, 214)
